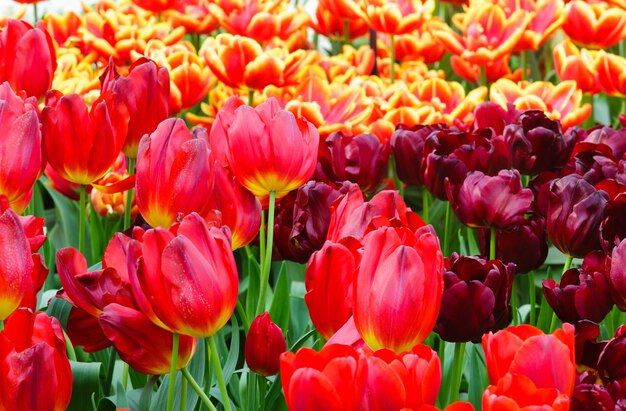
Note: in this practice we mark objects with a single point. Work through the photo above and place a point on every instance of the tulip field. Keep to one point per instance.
(335, 205)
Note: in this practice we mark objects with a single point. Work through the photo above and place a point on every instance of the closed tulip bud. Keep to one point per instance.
(575, 211)
(145, 92)
(28, 58)
(35, 372)
(476, 298)
(187, 283)
(398, 287)
(83, 143)
(361, 159)
(546, 360)
(490, 202)
(328, 280)
(517, 392)
(143, 345)
(21, 153)
(16, 267)
(264, 345)
(239, 208)
(583, 293)
(408, 150)
(288, 151)
(174, 173)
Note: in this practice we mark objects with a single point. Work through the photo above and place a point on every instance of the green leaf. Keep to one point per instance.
(251, 271)
(279, 311)
(233, 352)
(59, 309)
(477, 374)
(86, 382)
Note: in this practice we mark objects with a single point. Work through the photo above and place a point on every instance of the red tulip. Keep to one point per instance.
(187, 282)
(27, 58)
(398, 287)
(174, 173)
(21, 153)
(239, 208)
(35, 372)
(16, 266)
(82, 144)
(516, 392)
(145, 92)
(289, 152)
(264, 345)
(547, 360)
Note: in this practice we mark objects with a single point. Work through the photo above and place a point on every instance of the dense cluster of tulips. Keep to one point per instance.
(380, 205)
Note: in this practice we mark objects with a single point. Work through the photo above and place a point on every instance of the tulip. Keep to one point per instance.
(545, 360)
(186, 283)
(289, 155)
(398, 287)
(344, 9)
(574, 214)
(145, 92)
(548, 17)
(483, 201)
(155, 6)
(397, 17)
(332, 25)
(27, 58)
(240, 210)
(193, 15)
(407, 145)
(83, 329)
(142, 344)
(476, 298)
(61, 27)
(591, 397)
(110, 205)
(82, 144)
(17, 267)
(597, 25)
(361, 159)
(570, 63)
(35, 372)
(617, 275)
(516, 392)
(583, 293)
(61, 185)
(610, 364)
(264, 345)
(21, 153)
(174, 173)
(328, 281)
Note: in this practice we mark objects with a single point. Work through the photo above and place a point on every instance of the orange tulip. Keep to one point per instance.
(75, 73)
(493, 71)
(343, 9)
(418, 45)
(488, 34)
(62, 27)
(332, 25)
(610, 75)
(516, 392)
(110, 205)
(561, 102)
(397, 16)
(193, 15)
(190, 78)
(571, 63)
(155, 6)
(82, 144)
(350, 63)
(595, 25)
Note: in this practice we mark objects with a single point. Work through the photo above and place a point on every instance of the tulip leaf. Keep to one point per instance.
(251, 271)
(233, 353)
(279, 311)
(477, 374)
(299, 313)
(86, 383)
(59, 309)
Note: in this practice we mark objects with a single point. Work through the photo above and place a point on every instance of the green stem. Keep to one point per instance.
(129, 195)
(251, 388)
(346, 31)
(492, 244)
(515, 303)
(183, 394)
(220, 376)
(457, 368)
(170, 391)
(208, 380)
(483, 76)
(82, 204)
(425, 205)
(109, 381)
(71, 353)
(394, 172)
(35, 13)
(125, 371)
(446, 231)
(267, 262)
(262, 390)
(524, 64)
(251, 98)
(203, 397)
(392, 56)
(533, 298)
(622, 110)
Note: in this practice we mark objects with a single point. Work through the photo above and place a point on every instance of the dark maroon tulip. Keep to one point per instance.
(591, 397)
(614, 139)
(440, 161)
(537, 144)
(613, 227)
(531, 232)
(492, 115)
(617, 275)
(587, 348)
(593, 162)
(575, 211)
(476, 298)
(490, 202)
(302, 220)
(361, 159)
(407, 145)
(583, 293)
(265, 343)
(612, 360)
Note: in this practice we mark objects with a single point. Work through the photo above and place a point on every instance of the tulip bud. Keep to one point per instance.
(264, 345)
(408, 150)
(476, 298)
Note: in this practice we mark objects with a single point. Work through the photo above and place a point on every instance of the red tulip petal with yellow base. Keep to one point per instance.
(570, 63)
(332, 25)
(187, 283)
(16, 266)
(595, 25)
(61, 27)
(82, 144)
(227, 56)
(398, 287)
(610, 77)
(516, 392)
(146, 347)
(397, 16)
